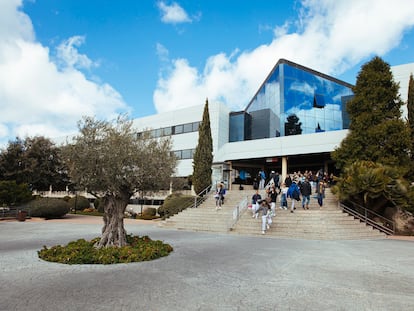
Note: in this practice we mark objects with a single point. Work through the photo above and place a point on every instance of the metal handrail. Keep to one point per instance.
(366, 215)
(237, 211)
(200, 197)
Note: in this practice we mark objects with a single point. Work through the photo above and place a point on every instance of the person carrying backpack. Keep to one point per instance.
(294, 194)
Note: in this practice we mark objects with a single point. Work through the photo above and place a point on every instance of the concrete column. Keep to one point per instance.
(284, 168)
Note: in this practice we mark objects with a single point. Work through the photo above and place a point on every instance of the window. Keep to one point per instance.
(188, 128)
(167, 131)
(178, 129)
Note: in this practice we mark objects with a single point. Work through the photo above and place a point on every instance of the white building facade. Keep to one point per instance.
(293, 123)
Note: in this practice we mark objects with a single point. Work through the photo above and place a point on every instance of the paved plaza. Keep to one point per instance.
(205, 272)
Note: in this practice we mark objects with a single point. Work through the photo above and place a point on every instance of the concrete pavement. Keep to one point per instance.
(204, 272)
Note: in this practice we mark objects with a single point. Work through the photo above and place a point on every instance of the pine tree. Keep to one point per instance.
(203, 155)
(376, 133)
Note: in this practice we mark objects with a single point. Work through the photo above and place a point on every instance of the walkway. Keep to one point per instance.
(205, 272)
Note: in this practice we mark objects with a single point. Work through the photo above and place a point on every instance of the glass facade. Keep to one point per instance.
(294, 100)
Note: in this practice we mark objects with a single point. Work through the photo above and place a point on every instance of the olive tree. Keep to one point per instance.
(113, 162)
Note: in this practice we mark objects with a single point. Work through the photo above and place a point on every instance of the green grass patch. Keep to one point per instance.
(84, 252)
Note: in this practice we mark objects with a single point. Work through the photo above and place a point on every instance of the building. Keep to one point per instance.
(293, 122)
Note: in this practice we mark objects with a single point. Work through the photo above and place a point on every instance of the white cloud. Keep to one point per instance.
(173, 14)
(329, 36)
(38, 96)
(68, 55)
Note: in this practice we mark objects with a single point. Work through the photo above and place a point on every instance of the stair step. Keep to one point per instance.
(328, 223)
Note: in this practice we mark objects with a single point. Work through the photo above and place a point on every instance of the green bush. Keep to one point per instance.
(174, 203)
(48, 208)
(149, 211)
(79, 203)
(85, 252)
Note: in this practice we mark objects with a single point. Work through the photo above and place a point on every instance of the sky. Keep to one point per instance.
(62, 60)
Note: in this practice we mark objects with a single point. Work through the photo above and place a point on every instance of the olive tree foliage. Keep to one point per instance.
(203, 155)
(113, 162)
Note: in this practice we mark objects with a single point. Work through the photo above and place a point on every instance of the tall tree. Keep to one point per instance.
(410, 112)
(203, 155)
(35, 161)
(111, 161)
(376, 133)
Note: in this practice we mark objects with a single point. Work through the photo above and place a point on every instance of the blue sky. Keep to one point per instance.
(61, 60)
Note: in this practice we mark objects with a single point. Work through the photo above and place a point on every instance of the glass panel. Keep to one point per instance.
(178, 129)
(167, 131)
(195, 126)
(187, 154)
(188, 128)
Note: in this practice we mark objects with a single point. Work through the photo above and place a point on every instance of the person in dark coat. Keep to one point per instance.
(305, 191)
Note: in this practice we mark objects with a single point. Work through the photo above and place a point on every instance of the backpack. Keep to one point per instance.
(295, 194)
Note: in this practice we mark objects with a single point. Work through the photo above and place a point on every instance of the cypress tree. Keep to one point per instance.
(410, 110)
(203, 155)
(376, 133)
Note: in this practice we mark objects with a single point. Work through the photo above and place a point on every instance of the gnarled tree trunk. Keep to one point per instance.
(113, 231)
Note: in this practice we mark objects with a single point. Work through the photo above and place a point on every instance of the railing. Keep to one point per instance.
(12, 212)
(237, 211)
(370, 217)
(201, 197)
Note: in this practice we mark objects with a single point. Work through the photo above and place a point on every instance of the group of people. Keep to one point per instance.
(296, 187)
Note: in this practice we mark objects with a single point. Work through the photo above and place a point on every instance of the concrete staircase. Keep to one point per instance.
(206, 217)
(327, 223)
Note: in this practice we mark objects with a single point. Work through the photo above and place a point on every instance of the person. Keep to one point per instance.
(288, 181)
(320, 190)
(283, 196)
(272, 194)
(255, 184)
(305, 191)
(294, 194)
(264, 210)
(273, 179)
(262, 179)
(219, 196)
(256, 198)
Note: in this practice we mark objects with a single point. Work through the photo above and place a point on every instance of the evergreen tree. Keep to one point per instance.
(376, 133)
(410, 109)
(203, 155)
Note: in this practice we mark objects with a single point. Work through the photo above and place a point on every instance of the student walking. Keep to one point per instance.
(306, 191)
(320, 190)
(294, 194)
(272, 194)
(219, 196)
(283, 196)
(256, 198)
(264, 209)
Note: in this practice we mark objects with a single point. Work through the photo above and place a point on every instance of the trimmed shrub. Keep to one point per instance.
(85, 252)
(173, 204)
(66, 198)
(48, 208)
(149, 211)
(79, 203)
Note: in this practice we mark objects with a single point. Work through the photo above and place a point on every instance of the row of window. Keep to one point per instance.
(174, 130)
(184, 154)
